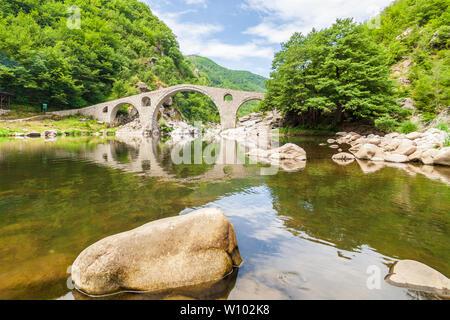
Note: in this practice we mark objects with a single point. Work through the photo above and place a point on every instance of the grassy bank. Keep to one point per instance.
(75, 125)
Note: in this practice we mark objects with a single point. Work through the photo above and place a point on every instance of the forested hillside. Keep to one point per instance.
(230, 79)
(415, 35)
(119, 43)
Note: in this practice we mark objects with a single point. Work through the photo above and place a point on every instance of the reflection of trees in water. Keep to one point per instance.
(185, 170)
(124, 153)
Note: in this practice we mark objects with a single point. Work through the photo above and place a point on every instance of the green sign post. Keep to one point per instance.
(44, 107)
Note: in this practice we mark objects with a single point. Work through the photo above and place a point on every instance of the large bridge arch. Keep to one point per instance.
(115, 108)
(172, 91)
(245, 100)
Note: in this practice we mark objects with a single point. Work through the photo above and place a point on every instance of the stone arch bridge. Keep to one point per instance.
(148, 104)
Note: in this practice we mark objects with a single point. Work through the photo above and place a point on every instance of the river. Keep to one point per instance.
(323, 231)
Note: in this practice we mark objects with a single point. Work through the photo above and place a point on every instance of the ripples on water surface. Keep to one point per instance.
(309, 234)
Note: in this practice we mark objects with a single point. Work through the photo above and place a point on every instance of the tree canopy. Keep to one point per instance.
(331, 75)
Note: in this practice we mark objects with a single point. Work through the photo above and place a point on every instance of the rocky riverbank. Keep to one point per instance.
(429, 147)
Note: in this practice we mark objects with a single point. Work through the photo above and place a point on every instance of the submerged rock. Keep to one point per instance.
(343, 158)
(165, 254)
(33, 135)
(416, 275)
(50, 133)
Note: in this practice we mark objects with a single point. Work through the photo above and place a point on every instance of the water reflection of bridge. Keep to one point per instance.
(142, 156)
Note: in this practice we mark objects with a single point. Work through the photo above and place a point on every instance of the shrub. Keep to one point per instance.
(442, 126)
(386, 124)
(407, 127)
(428, 117)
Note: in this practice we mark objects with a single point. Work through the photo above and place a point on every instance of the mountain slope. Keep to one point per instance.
(118, 44)
(229, 79)
(415, 35)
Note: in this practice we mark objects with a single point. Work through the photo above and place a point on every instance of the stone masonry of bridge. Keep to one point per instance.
(149, 103)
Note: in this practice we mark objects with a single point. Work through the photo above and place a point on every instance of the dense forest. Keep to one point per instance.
(45, 57)
(416, 33)
(345, 72)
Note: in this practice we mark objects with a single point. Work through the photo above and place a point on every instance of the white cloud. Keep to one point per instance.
(197, 38)
(202, 2)
(281, 18)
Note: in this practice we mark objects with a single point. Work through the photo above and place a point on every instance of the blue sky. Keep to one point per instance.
(245, 34)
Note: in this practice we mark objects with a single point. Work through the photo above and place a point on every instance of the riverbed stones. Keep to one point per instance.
(370, 152)
(414, 135)
(34, 135)
(331, 141)
(416, 146)
(416, 275)
(443, 157)
(406, 147)
(50, 134)
(374, 140)
(397, 158)
(174, 252)
(427, 156)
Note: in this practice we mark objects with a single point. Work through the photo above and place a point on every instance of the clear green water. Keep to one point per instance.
(310, 234)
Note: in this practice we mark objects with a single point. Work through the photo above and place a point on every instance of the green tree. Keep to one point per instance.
(331, 75)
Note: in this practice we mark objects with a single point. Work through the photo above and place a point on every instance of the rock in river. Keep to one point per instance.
(343, 158)
(288, 151)
(416, 275)
(165, 254)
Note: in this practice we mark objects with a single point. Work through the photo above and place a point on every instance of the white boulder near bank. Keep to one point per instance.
(289, 157)
(427, 147)
(170, 253)
(289, 151)
(416, 275)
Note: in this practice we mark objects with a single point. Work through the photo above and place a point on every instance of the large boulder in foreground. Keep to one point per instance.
(165, 254)
(416, 275)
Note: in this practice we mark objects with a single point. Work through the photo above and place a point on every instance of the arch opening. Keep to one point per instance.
(124, 113)
(105, 109)
(228, 97)
(185, 104)
(249, 106)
